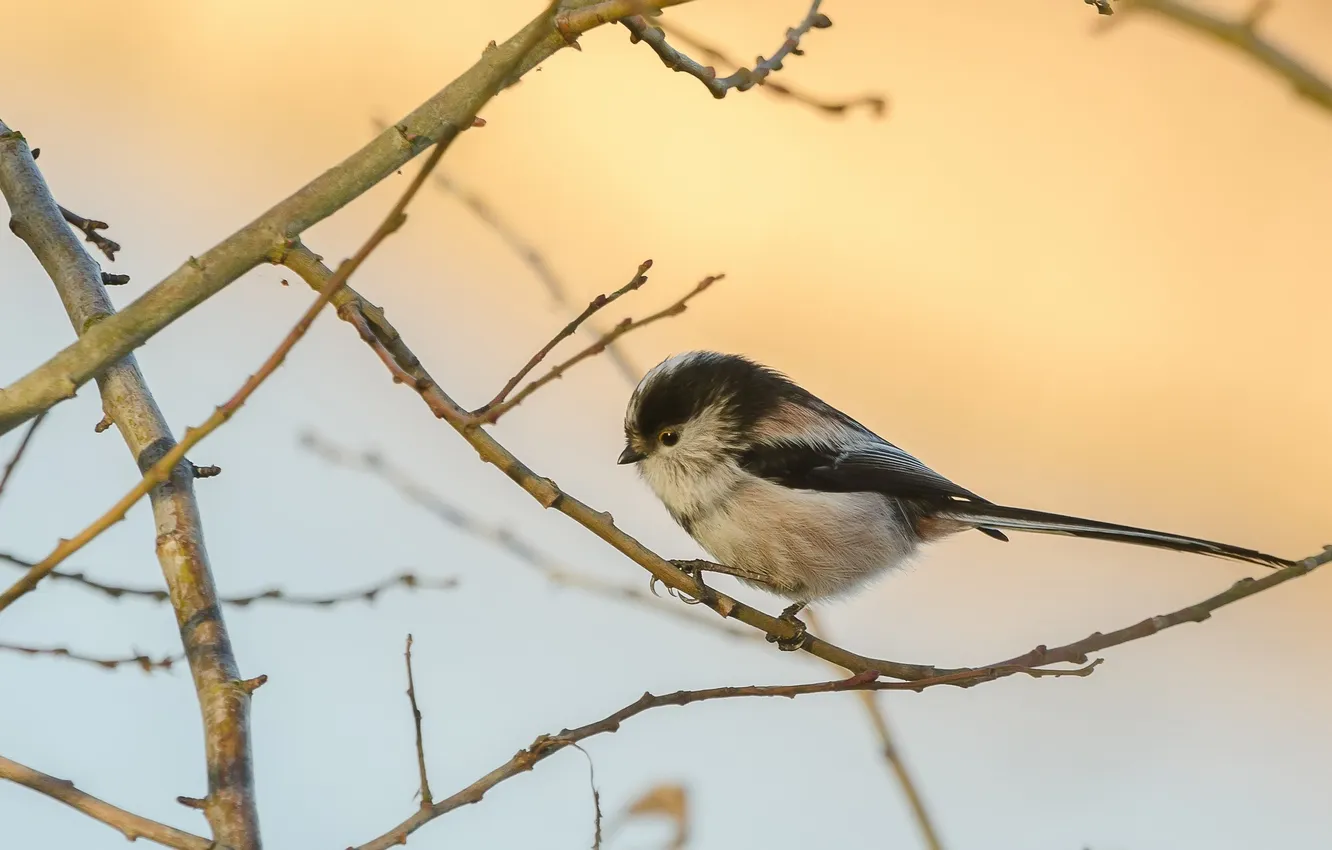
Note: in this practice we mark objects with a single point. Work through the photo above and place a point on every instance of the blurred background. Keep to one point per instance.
(1073, 271)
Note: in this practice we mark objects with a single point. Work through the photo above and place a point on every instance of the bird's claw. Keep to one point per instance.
(706, 594)
(797, 640)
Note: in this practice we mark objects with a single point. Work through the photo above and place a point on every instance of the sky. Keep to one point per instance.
(1072, 269)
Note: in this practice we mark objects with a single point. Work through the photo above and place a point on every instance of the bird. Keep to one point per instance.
(793, 496)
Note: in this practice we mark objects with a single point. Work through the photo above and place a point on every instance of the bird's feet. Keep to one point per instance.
(694, 569)
(797, 640)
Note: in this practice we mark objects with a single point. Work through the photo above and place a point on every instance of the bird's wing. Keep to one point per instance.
(863, 465)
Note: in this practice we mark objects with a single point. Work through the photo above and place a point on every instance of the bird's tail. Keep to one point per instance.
(985, 515)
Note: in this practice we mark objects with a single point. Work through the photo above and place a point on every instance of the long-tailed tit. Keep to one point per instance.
(793, 496)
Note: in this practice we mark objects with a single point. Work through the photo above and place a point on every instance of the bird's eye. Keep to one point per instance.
(669, 437)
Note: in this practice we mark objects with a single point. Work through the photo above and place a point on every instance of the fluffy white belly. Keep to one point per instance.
(807, 545)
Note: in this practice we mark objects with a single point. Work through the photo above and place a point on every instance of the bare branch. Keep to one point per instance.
(655, 32)
(601, 301)
(1242, 34)
(426, 799)
(410, 581)
(504, 538)
(18, 453)
(143, 662)
(491, 413)
(130, 825)
(89, 227)
(126, 400)
(547, 745)
(437, 121)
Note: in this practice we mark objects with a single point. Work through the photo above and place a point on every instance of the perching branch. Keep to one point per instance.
(437, 121)
(547, 745)
(490, 414)
(224, 707)
(130, 825)
(1242, 34)
(654, 34)
(145, 663)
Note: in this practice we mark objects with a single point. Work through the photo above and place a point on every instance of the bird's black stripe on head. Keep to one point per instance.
(746, 391)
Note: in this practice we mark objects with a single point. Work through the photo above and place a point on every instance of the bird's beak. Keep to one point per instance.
(630, 455)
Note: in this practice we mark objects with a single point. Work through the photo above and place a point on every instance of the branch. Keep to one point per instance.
(18, 453)
(1242, 34)
(410, 581)
(888, 747)
(89, 227)
(547, 745)
(1077, 652)
(130, 825)
(601, 301)
(602, 524)
(127, 401)
(426, 799)
(143, 662)
(437, 121)
(498, 535)
(654, 35)
(491, 413)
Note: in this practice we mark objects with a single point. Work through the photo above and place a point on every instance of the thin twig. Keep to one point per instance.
(18, 453)
(426, 799)
(602, 524)
(742, 79)
(888, 748)
(1242, 34)
(596, 797)
(655, 32)
(489, 415)
(410, 581)
(159, 472)
(130, 825)
(437, 120)
(547, 745)
(598, 303)
(89, 227)
(145, 663)
(506, 539)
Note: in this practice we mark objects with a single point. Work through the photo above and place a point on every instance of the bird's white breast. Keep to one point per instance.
(806, 544)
